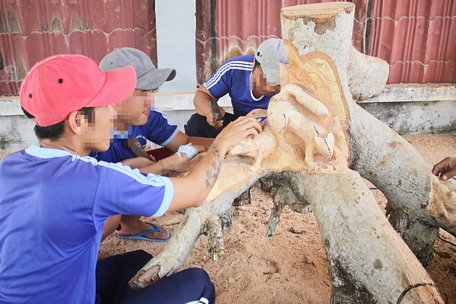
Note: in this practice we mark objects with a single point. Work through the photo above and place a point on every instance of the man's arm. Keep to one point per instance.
(201, 141)
(183, 139)
(172, 163)
(191, 190)
(205, 105)
(137, 162)
(146, 165)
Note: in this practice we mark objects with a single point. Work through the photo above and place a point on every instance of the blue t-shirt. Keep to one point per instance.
(157, 130)
(52, 208)
(233, 78)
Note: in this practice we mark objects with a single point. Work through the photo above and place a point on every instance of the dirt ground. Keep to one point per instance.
(291, 266)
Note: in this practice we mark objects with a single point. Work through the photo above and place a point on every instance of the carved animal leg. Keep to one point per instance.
(213, 229)
(281, 198)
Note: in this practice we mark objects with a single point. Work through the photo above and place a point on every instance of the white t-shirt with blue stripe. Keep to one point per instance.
(52, 208)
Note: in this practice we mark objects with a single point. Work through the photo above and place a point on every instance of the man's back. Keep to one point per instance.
(52, 208)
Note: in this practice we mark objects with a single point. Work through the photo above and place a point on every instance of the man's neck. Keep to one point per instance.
(120, 125)
(256, 94)
(66, 144)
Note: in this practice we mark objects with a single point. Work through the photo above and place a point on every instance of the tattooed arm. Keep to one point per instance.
(191, 190)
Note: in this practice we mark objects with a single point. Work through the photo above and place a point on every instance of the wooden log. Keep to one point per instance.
(367, 75)
(282, 147)
(377, 153)
(369, 262)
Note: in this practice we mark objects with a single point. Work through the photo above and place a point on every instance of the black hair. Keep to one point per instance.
(90, 113)
(56, 130)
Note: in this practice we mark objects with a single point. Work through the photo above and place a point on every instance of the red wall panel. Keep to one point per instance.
(31, 30)
(416, 37)
(240, 26)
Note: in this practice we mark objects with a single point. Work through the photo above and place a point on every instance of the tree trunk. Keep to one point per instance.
(377, 153)
(369, 262)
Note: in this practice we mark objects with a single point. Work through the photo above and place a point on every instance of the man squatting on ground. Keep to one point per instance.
(54, 198)
(250, 80)
(136, 121)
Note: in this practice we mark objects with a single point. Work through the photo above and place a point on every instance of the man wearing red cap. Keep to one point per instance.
(55, 199)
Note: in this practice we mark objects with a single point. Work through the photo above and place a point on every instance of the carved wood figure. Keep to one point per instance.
(316, 145)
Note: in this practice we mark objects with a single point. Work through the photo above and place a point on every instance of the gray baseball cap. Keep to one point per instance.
(270, 54)
(148, 77)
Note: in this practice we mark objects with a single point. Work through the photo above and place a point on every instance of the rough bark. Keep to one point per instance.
(369, 262)
(367, 75)
(213, 229)
(283, 195)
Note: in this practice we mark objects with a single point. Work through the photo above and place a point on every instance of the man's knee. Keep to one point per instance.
(198, 274)
(199, 277)
(195, 125)
(140, 256)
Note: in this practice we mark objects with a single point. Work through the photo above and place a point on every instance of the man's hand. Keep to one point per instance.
(215, 116)
(191, 190)
(206, 105)
(238, 130)
(446, 168)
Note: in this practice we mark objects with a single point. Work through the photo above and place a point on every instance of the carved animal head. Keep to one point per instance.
(306, 121)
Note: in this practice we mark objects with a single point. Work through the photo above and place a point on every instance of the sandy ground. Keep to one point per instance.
(291, 266)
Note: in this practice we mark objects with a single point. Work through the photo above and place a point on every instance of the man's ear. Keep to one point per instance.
(75, 121)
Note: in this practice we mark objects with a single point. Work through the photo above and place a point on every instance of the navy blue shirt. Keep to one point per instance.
(157, 130)
(52, 208)
(233, 78)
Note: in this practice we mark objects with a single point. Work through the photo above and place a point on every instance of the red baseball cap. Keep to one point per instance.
(61, 84)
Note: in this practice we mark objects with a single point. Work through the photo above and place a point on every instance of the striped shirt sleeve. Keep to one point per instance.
(219, 84)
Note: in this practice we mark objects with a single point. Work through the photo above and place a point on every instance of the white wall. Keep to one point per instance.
(16, 130)
(175, 25)
(407, 110)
